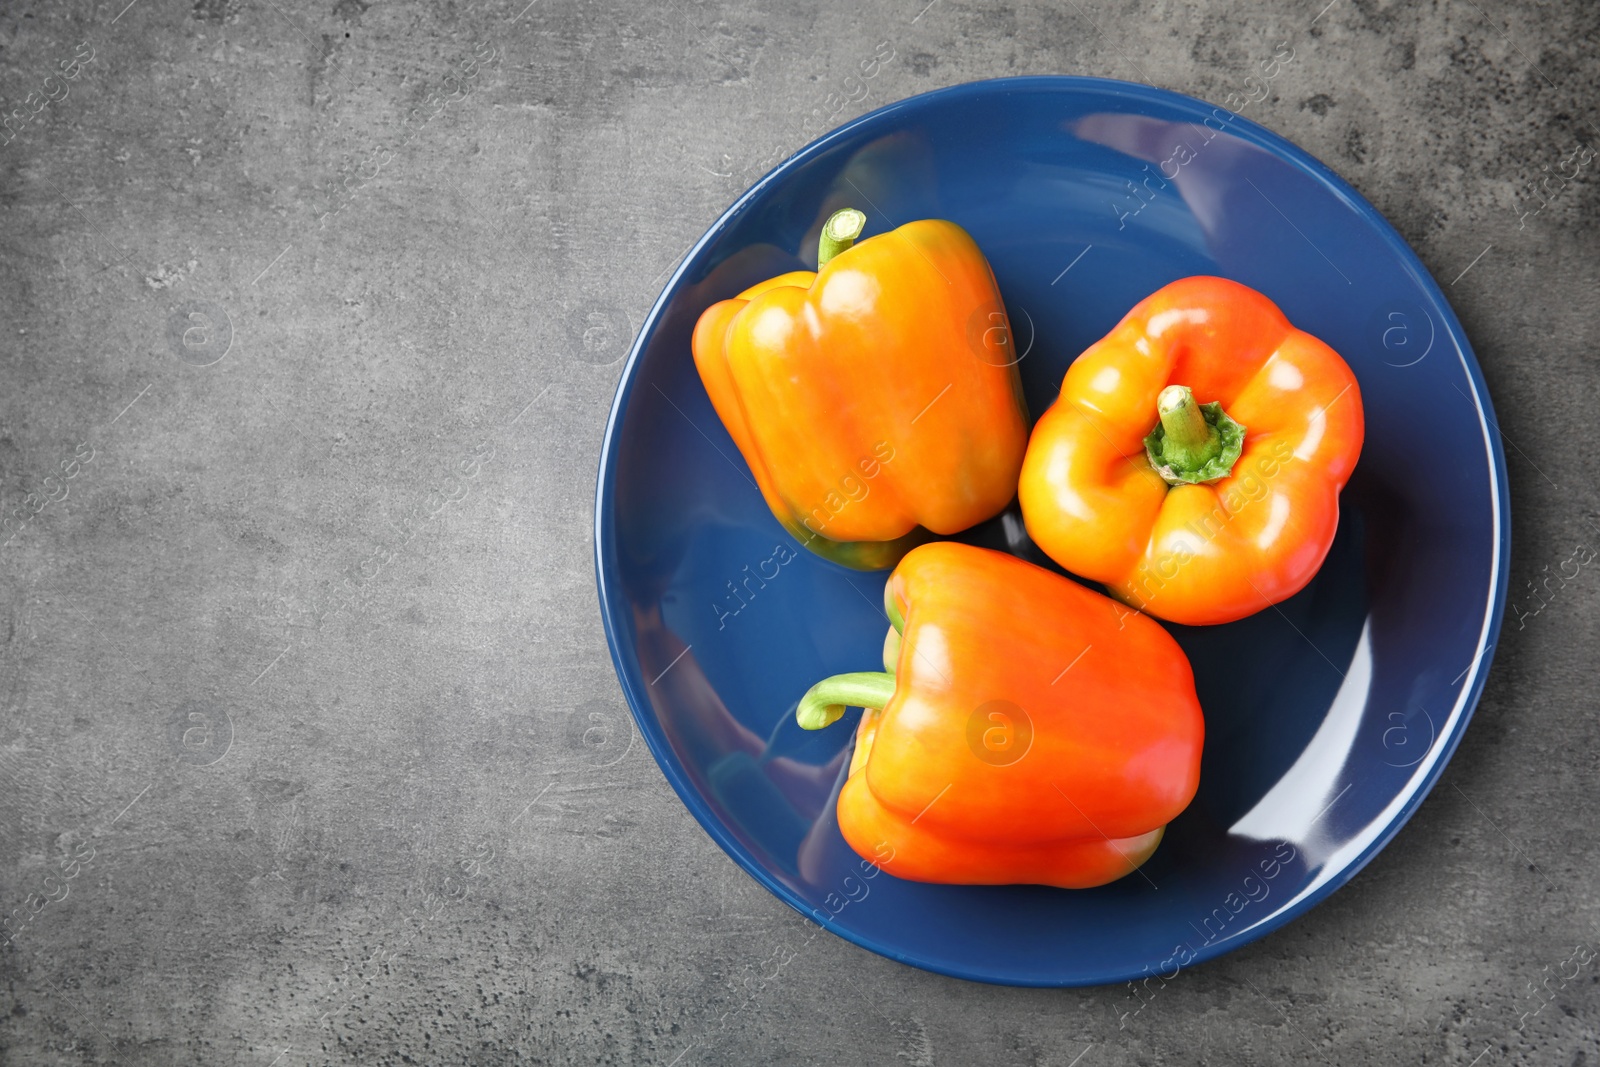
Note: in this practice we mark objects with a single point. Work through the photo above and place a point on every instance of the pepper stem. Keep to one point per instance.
(1190, 441)
(825, 702)
(839, 233)
(1193, 442)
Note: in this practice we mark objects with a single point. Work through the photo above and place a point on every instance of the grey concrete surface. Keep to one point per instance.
(310, 749)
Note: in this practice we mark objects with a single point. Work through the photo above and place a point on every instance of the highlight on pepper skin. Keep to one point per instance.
(985, 757)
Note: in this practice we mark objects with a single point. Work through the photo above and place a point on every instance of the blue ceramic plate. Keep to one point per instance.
(1327, 718)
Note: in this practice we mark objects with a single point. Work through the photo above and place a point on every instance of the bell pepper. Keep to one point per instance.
(1027, 729)
(1194, 459)
(876, 398)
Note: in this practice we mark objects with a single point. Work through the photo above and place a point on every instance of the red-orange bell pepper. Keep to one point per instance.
(874, 396)
(1028, 729)
(1194, 458)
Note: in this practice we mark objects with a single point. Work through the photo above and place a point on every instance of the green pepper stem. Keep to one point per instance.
(1190, 441)
(825, 702)
(839, 233)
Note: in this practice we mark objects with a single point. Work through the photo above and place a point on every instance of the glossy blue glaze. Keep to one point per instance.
(1328, 717)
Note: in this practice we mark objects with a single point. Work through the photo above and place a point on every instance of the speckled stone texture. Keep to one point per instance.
(311, 751)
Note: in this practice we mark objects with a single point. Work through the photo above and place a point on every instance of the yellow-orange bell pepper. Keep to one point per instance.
(1194, 459)
(875, 398)
(1031, 730)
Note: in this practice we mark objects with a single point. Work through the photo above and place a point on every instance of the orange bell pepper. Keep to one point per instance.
(1024, 733)
(1194, 458)
(874, 396)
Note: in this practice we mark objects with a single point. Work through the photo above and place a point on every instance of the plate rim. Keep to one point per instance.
(626, 666)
